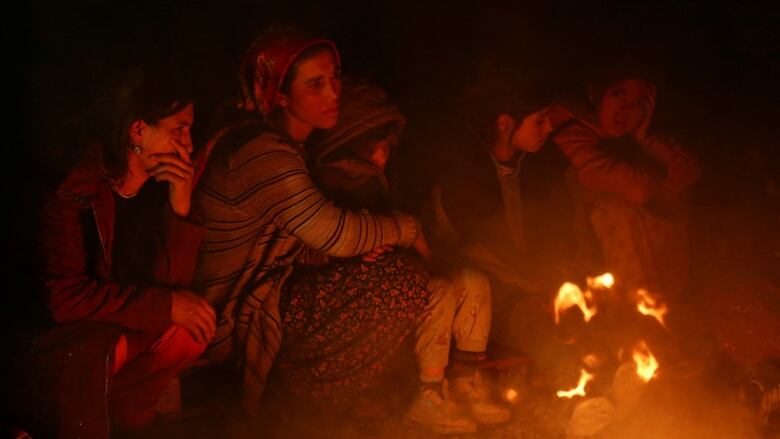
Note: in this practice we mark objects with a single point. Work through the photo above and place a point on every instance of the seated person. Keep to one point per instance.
(633, 183)
(345, 319)
(353, 163)
(262, 209)
(477, 211)
(117, 240)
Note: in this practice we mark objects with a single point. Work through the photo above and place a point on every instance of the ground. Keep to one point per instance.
(697, 393)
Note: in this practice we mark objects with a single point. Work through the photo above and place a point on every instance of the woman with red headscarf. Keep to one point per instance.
(263, 209)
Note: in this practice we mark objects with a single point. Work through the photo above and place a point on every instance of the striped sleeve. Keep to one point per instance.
(275, 185)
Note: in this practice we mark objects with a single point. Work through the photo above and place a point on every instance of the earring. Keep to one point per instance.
(137, 148)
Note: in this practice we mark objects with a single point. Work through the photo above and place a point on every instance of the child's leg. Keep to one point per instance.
(471, 327)
(433, 406)
(434, 333)
(471, 322)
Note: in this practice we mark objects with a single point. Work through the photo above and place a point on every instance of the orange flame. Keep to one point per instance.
(570, 295)
(646, 364)
(605, 281)
(650, 305)
(585, 378)
(592, 361)
(511, 395)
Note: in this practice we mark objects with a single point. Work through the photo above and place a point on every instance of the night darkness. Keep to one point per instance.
(719, 64)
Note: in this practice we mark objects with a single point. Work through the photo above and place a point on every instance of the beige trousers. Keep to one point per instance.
(460, 308)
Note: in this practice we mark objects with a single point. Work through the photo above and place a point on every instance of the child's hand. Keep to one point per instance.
(374, 254)
(420, 244)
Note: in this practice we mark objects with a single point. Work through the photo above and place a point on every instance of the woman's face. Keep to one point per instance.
(170, 134)
(532, 132)
(621, 109)
(314, 92)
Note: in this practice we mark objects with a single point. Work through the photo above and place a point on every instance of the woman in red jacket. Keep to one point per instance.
(117, 242)
(632, 182)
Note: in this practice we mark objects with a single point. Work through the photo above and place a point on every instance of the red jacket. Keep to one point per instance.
(64, 376)
(75, 242)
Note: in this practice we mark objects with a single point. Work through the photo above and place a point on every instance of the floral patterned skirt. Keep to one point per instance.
(345, 322)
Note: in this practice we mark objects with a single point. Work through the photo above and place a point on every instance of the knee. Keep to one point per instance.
(476, 285)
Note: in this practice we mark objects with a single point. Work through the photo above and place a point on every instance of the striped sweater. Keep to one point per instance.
(262, 209)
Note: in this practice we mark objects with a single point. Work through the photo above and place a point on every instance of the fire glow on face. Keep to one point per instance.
(585, 378)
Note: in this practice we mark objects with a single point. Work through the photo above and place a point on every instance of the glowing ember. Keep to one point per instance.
(585, 378)
(511, 395)
(605, 281)
(646, 363)
(570, 295)
(649, 305)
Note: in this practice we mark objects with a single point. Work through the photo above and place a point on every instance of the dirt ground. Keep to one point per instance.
(695, 394)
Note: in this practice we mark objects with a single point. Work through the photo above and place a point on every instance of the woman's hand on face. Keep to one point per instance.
(648, 105)
(195, 314)
(374, 254)
(178, 171)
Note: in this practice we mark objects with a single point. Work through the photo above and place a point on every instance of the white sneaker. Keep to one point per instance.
(474, 393)
(440, 412)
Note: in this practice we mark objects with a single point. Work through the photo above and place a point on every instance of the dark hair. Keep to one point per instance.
(615, 69)
(306, 54)
(497, 91)
(148, 94)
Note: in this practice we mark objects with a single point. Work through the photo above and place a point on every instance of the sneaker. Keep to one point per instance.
(439, 412)
(473, 392)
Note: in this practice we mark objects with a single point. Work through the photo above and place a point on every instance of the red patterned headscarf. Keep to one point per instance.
(266, 63)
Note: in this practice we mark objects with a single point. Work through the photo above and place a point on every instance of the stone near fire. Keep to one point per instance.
(627, 387)
(591, 417)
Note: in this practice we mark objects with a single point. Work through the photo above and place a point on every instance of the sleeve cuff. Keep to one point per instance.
(408, 227)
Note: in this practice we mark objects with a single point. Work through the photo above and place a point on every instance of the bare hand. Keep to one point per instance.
(178, 171)
(648, 104)
(374, 254)
(420, 244)
(195, 314)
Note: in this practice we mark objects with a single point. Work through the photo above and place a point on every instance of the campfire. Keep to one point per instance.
(637, 363)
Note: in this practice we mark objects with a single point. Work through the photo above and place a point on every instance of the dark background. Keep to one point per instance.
(718, 92)
(719, 61)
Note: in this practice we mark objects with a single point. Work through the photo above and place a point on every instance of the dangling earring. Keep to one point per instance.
(137, 148)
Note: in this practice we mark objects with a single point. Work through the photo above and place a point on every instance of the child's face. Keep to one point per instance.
(621, 111)
(532, 132)
(381, 152)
